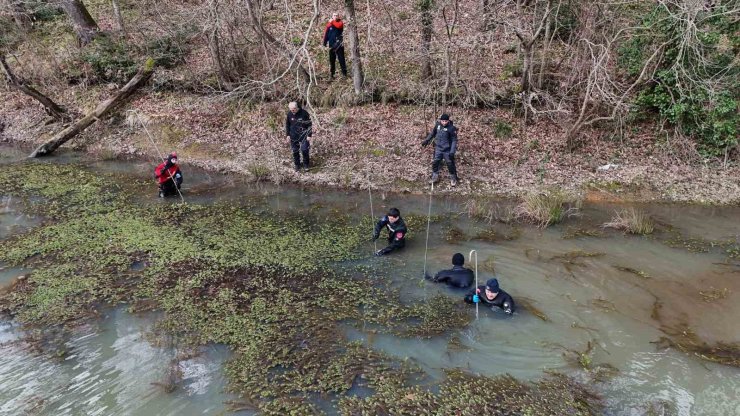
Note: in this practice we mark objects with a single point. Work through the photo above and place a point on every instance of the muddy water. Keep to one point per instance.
(587, 300)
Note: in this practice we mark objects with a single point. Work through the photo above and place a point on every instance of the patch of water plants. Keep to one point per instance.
(266, 284)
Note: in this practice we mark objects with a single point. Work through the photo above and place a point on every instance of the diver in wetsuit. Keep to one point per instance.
(492, 296)
(458, 276)
(396, 231)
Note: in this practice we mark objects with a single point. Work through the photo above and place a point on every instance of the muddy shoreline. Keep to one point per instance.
(219, 138)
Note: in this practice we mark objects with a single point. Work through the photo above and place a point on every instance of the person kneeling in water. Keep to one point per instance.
(457, 276)
(168, 176)
(491, 295)
(396, 231)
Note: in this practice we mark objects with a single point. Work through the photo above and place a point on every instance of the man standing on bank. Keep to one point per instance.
(444, 135)
(298, 130)
(334, 41)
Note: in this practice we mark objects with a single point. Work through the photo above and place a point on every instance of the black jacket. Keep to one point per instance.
(503, 300)
(298, 125)
(396, 233)
(457, 276)
(445, 137)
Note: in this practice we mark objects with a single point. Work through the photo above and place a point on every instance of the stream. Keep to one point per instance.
(601, 290)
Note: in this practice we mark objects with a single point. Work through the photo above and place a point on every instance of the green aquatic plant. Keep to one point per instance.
(684, 339)
(572, 255)
(266, 284)
(713, 294)
(528, 305)
(639, 273)
(572, 233)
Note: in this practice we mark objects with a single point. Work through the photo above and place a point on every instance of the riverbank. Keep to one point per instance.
(380, 144)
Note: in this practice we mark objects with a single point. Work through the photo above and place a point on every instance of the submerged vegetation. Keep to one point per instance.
(257, 281)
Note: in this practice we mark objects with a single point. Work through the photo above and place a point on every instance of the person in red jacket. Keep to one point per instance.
(168, 176)
(335, 42)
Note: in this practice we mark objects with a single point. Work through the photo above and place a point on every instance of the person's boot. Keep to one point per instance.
(297, 168)
(161, 193)
(453, 180)
(435, 177)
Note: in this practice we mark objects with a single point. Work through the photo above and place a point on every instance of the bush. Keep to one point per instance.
(548, 207)
(632, 221)
(110, 60)
(695, 86)
(169, 51)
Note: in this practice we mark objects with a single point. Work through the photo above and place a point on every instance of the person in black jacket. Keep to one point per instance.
(492, 296)
(444, 135)
(298, 130)
(334, 40)
(396, 231)
(458, 276)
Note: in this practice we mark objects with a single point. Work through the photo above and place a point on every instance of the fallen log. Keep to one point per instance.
(100, 111)
(52, 108)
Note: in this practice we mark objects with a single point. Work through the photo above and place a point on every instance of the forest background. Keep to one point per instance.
(621, 100)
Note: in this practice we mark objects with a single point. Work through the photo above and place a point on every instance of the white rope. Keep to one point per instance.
(470, 256)
(429, 220)
(160, 154)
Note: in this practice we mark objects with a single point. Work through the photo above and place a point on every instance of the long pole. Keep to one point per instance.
(429, 220)
(470, 256)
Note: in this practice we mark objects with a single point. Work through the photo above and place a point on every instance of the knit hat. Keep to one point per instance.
(492, 285)
(458, 259)
(444, 116)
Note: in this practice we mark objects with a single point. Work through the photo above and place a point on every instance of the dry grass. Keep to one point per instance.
(632, 221)
(548, 207)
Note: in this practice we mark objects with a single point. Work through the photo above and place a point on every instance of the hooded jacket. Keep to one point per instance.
(445, 137)
(166, 171)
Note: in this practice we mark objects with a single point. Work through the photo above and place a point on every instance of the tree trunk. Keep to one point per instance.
(119, 16)
(84, 25)
(50, 106)
(265, 36)
(545, 50)
(358, 78)
(100, 111)
(426, 37)
(527, 66)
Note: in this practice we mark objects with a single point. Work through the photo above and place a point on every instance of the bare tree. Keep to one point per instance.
(84, 24)
(358, 78)
(118, 16)
(425, 7)
(52, 108)
(105, 107)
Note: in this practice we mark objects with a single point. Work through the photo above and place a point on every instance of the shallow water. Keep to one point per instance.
(111, 368)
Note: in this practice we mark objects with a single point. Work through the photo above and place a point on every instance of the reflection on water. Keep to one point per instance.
(107, 370)
(587, 299)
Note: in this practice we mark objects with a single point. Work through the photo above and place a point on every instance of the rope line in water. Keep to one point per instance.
(159, 153)
(429, 219)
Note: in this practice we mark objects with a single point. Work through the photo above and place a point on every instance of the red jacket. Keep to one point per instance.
(333, 34)
(163, 175)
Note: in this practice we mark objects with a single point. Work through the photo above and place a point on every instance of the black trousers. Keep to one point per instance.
(300, 147)
(170, 187)
(449, 160)
(393, 244)
(333, 55)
